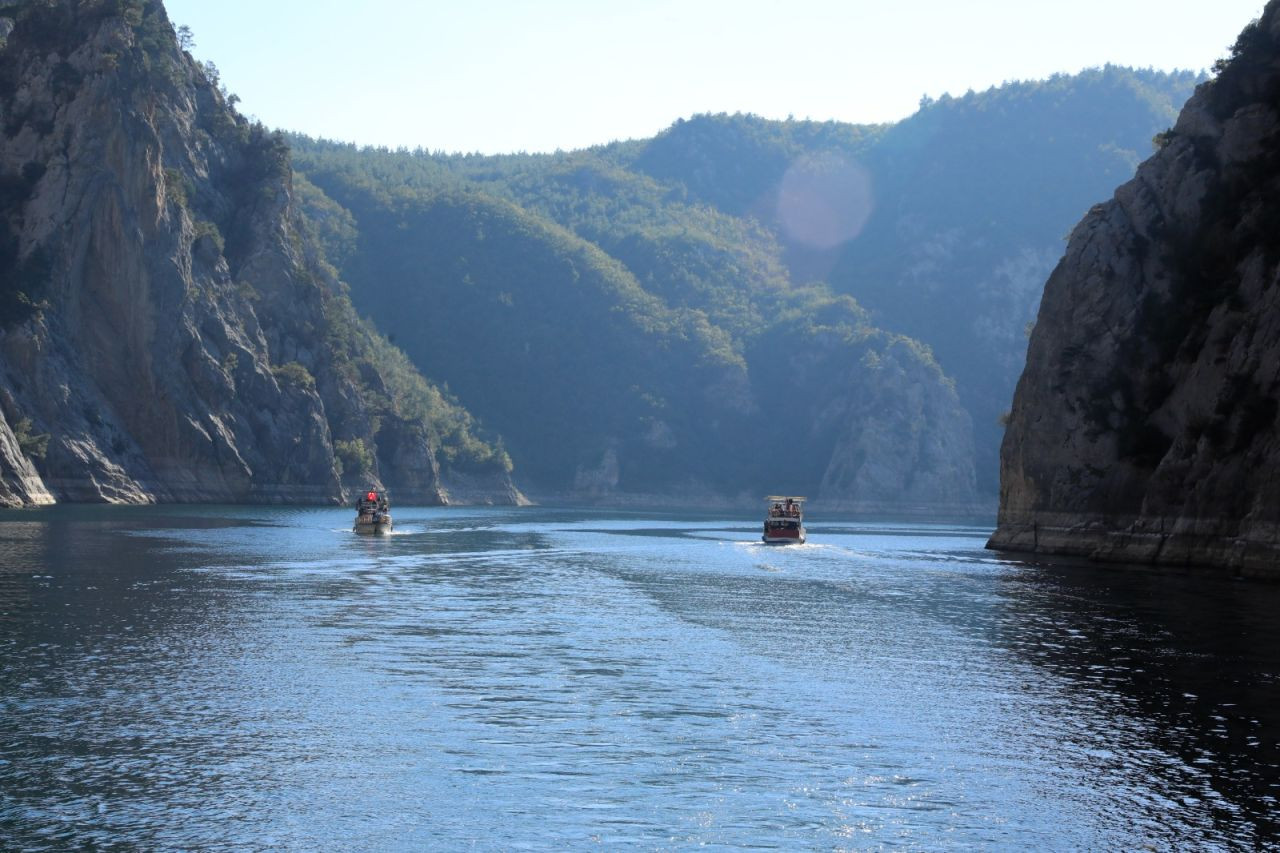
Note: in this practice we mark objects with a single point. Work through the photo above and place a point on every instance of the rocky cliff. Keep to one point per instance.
(1144, 426)
(903, 445)
(167, 331)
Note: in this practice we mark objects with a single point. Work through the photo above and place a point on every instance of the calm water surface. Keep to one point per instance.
(234, 678)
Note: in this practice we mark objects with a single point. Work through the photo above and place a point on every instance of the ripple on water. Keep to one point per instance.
(538, 678)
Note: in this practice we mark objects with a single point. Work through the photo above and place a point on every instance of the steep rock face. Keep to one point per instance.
(165, 325)
(21, 485)
(1144, 425)
(905, 443)
(861, 421)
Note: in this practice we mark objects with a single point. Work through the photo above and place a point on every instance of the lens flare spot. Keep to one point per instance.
(824, 200)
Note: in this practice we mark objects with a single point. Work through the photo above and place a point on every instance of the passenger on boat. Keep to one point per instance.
(371, 503)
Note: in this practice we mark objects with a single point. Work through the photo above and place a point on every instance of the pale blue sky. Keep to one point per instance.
(514, 75)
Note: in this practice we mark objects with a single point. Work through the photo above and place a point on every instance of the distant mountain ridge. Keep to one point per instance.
(756, 233)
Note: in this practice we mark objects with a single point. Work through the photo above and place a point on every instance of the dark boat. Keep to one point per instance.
(373, 513)
(784, 525)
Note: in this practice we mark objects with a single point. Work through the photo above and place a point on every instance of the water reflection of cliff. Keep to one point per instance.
(1187, 667)
(74, 562)
(102, 641)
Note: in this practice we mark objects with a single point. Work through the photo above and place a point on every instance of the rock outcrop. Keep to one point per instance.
(167, 332)
(904, 444)
(1144, 427)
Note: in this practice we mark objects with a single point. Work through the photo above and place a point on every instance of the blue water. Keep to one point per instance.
(242, 679)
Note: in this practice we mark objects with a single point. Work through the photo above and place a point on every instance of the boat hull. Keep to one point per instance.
(372, 528)
(784, 537)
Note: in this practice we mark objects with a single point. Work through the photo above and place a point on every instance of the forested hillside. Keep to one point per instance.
(607, 377)
(656, 313)
(945, 225)
(975, 198)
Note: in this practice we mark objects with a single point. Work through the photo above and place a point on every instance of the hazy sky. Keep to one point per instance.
(517, 75)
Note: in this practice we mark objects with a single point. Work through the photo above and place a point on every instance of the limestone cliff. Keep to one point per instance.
(904, 443)
(1144, 425)
(167, 332)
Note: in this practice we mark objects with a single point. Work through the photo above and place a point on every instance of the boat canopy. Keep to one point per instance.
(783, 506)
